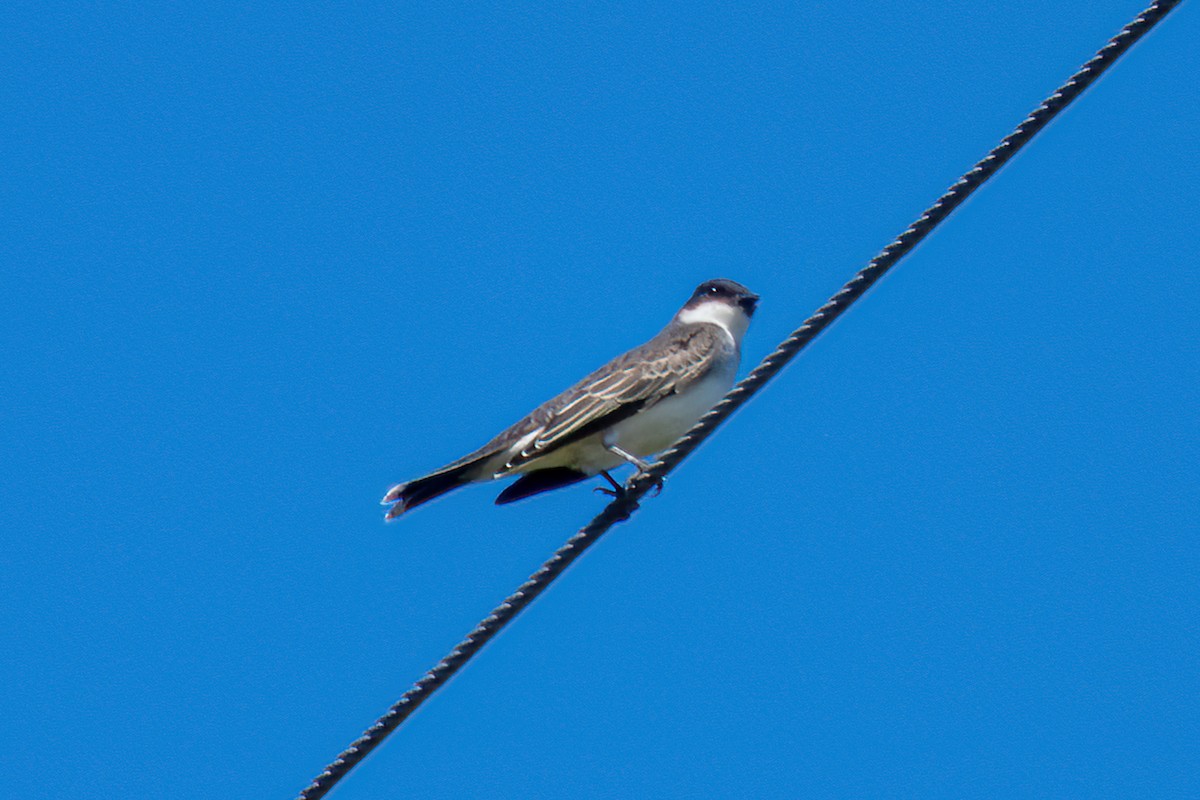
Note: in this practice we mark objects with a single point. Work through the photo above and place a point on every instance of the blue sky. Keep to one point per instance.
(262, 262)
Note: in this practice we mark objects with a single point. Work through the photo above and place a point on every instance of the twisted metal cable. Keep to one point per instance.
(625, 504)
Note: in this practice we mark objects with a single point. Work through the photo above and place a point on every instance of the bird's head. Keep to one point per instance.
(722, 290)
(721, 302)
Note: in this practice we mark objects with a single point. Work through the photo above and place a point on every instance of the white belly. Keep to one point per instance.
(656, 428)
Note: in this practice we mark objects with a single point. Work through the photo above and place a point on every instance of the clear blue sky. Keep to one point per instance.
(259, 263)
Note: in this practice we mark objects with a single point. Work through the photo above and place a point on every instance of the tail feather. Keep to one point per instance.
(405, 496)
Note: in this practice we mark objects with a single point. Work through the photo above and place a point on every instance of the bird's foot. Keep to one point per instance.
(617, 489)
(656, 485)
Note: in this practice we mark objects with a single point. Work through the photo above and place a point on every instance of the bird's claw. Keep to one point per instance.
(619, 490)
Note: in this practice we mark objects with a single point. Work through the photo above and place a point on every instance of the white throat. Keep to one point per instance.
(725, 315)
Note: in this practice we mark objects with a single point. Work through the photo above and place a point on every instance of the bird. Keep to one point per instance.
(632, 407)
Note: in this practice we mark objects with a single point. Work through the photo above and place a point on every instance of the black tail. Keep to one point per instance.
(405, 496)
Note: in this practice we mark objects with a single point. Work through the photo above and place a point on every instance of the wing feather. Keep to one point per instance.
(642, 377)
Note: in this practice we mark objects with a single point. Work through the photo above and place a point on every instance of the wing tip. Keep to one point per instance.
(539, 481)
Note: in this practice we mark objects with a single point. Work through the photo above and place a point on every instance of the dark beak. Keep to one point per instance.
(748, 302)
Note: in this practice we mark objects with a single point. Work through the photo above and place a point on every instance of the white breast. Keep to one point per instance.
(656, 428)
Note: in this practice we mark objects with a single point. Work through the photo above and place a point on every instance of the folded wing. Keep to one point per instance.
(637, 380)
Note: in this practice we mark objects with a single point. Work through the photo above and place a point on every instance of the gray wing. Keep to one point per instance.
(668, 363)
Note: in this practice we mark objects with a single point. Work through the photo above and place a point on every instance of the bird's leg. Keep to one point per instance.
(617, 489)
(642, 465)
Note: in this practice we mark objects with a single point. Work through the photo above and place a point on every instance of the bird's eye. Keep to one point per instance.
(714, 290)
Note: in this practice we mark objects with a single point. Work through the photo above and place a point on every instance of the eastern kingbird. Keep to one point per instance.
(635, 405)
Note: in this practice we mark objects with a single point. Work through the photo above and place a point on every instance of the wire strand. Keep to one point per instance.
(624, 505)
